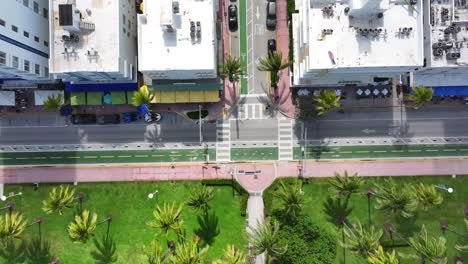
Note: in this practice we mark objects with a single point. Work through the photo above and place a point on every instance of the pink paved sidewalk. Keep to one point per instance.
(286, 105)
(264, 173)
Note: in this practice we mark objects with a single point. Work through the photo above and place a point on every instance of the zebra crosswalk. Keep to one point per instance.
(285, 139)
(249, 112)
(223, 140)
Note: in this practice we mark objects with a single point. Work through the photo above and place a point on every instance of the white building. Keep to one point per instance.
(355, 41)
(93, 40)
(24, 41)
(177, 39)
(446, 44)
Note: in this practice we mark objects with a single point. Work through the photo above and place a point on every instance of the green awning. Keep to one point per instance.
(78, 98)
(186, 87)
(94, 98)
(119, 98)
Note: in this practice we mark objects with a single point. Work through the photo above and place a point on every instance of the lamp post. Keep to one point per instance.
(343, 221)
(443, 187)
(200, 124)
(108, 220)
(151, 195)
(9, 206)
(444, 226)
(390, 229)
(10, 195)
(369, 193)
(80, 198)
(38, 221)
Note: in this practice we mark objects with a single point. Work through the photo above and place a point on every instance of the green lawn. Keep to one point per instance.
(131, 209)
(451, 210)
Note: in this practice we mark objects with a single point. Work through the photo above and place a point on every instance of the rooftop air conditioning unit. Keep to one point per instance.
(69, 17)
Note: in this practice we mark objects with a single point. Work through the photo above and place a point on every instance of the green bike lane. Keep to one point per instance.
(93, 157)
(243, 44)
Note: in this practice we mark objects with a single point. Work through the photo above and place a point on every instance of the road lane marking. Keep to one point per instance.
(362, 151)
(449, 150)
(74, 157)
(398, 151)
(380, 151)
(346, 152)
(463, 149)
(39, 158)
(191, 155)
(124, 156)
(141, 156)
(157, 155)
(6, 158)
(106, 156)
(414, 150)
(175, 155)
(21, 158)
(56, 157)
(328, 152)
(90, 157)
(431, 150)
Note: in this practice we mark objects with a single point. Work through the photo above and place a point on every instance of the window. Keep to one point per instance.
(37, 69)
(123, 19)
(26, 66)
(15, 62)
(46, 72)
(46, 43)
(2, 58)
(36, 38)
(36, 7)
(45, 12)
(26, 34)
(14, 28)
(124, 30)
(26, 3)
(2, 22)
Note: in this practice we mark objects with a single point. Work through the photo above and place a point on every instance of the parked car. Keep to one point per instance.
(232, 17)
(152, 117)
(131, 117)
(271, 16)
(271, 46)
(108, 119)
(84, 119)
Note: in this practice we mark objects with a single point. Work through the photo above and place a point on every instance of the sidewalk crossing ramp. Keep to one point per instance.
(223, 140)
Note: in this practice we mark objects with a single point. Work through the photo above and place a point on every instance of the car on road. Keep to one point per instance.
(84, 119)
(232, 17)
(271, 16)
(152, 117)
(131, 117)
(108, 119)
(271, 46)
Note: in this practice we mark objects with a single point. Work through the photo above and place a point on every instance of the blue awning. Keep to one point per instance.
(100, 87)
(450, 90)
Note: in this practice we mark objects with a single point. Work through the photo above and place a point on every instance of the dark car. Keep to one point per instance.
(83, 119)
(271, 16)
(108, 119)
(131, 117)
(271, 46)
(232, 17)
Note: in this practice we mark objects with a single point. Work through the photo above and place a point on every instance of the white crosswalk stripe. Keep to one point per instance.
(285, 139)
(249, 112)
(223, 140)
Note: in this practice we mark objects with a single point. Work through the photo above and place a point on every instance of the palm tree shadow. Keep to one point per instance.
(209, 228)
(336, 210)
(407, 226)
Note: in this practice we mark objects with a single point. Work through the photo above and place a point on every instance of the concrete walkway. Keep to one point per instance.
(255, 211)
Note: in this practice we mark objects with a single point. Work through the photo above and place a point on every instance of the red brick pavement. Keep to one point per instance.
(264, 175)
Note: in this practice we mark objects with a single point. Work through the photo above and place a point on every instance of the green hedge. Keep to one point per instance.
(291, 9)
(195, 114)
(240, 191)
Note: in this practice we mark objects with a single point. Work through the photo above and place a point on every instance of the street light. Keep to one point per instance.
(80, 198)
(444, 225)
(200, 124)
(9, 206)
(108, 220)
(390, 229)
(38, 221)
(443, 187)
(369, 193)
(10, 195)
(151, 195)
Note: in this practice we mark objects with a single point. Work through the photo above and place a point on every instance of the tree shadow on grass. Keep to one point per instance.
(407, 226)
(336, 209)
(209, 227)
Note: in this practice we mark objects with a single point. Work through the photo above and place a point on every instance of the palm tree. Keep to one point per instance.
(232, 255)
(326, 101)
(396, 200)
(168, 218)
(265, 239)
(59, 200)
(421, 95)
(292, 198)
(142, 96)
(38, 251)
(432, 249)
(274, 64)
(427, 196)
(361, 241)
(83, 227)
(346, 185)
(382, 257)
(463, 248)
(188, 252)
(53, 102)
(11, 226)
(232, 70)
(155, 254)
(105, 251)
(200, 197)
(13, 252)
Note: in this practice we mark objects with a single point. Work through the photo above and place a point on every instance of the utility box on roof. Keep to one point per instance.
(69, 17)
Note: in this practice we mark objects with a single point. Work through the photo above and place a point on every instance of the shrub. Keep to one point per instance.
(196, 115)
(307, 242)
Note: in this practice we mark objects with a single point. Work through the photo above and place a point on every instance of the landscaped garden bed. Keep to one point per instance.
(324, 208)
(131, 208)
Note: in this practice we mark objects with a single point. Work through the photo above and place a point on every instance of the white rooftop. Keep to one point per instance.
(357, 37)
(448, 33)
(165, 41)
(96, 50)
